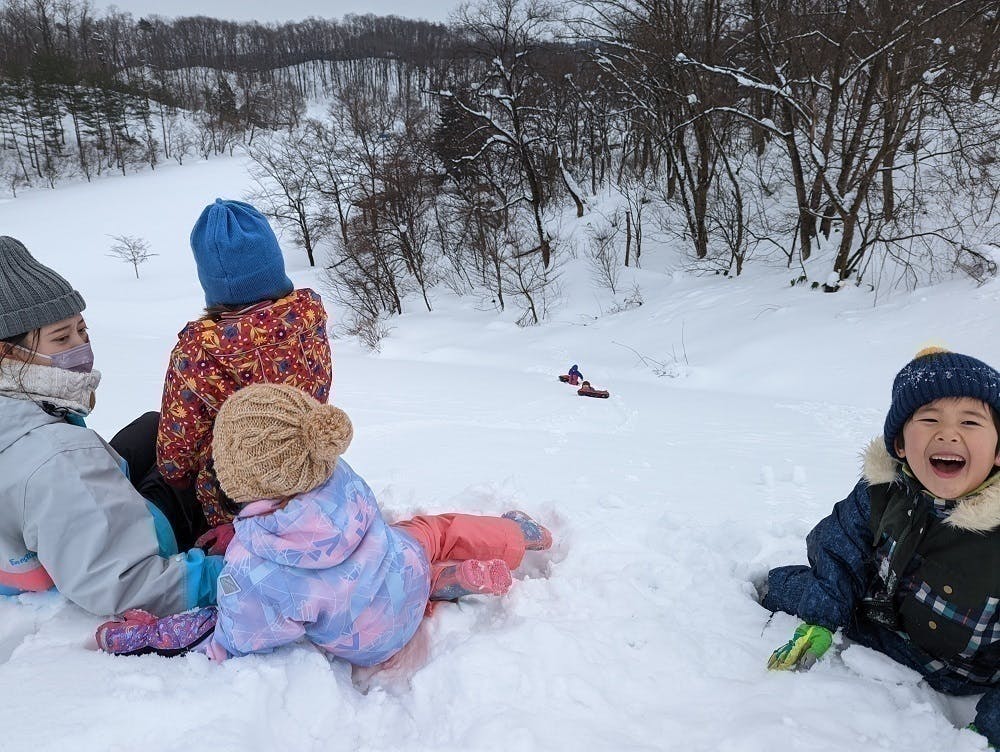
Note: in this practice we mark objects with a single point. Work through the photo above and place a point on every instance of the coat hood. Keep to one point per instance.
(318, 529)
(261, 328)
(19, 417)
(979, 512)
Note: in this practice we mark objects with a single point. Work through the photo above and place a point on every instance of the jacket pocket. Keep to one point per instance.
(939, 616)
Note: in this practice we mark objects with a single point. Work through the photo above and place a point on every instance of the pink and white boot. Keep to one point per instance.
(470, 577)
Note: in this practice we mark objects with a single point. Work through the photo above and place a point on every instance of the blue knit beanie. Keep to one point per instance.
(238, 257)
(935, 373)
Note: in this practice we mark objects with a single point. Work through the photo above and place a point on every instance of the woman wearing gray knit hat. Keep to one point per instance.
(69, 515)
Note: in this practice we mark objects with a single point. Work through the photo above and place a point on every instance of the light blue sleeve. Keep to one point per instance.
(202, 574)
(164, 533)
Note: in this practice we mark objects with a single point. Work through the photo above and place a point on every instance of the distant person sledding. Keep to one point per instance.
(574, 378)
(256, 328)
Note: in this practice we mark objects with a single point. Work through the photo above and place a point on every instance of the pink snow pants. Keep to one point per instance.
(457, 537)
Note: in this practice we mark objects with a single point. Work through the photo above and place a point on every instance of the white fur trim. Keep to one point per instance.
(977, 513)
(878, 466)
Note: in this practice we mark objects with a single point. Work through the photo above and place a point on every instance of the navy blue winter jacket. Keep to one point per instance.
(841, 556)
(926, 568)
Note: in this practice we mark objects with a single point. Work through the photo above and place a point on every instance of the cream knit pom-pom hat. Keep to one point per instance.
(273, 440)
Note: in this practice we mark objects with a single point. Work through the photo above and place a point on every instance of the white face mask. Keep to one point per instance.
(79, 359)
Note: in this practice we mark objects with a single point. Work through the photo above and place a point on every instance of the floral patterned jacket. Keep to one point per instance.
(284, 341)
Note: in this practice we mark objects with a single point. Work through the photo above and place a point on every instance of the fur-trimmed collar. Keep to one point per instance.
(979, 512)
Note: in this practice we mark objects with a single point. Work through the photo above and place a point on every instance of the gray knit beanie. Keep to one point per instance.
(31, 294)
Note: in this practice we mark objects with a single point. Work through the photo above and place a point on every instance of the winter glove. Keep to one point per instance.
(138, 632)
(216, 541)
(807, 646)
(972, 727)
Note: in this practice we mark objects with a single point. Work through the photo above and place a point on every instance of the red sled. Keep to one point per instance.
(586, 390)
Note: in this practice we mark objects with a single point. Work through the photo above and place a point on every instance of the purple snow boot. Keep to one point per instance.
(536, 536)
(139, 632)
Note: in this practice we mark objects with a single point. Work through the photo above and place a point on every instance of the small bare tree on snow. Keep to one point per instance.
(132, 250)
(602, 253)
(530, 285)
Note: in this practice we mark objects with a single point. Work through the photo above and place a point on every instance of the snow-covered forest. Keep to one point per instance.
(405, 155)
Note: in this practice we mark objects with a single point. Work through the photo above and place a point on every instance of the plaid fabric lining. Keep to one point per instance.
(939, 605)
(984, 625)
(941, 507)
(963, 669)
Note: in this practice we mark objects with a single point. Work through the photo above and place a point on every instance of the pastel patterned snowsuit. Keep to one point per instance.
(326, 566)
(281, 342)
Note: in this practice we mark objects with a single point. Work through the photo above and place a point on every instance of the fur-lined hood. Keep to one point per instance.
(979, 512)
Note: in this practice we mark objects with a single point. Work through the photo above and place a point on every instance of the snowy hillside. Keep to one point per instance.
(640, 630)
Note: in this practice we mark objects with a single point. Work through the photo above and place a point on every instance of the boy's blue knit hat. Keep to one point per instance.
(935, 373)
(239, 260)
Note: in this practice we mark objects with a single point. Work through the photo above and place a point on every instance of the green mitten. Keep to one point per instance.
(972, 727)
(805, 648)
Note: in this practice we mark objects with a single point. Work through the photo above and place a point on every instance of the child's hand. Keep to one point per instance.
(217, 540)
(973, 728)
(807, 646)
(139, 632)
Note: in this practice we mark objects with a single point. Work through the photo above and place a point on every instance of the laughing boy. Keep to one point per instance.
(909, 563)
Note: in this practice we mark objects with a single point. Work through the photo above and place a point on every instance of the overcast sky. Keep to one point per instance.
(285, 10)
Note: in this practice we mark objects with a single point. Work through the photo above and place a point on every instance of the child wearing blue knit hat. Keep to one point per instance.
(256, 329)
(909, 563)
(238, 257)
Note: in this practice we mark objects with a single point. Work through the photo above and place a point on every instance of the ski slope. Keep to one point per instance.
(640, 629)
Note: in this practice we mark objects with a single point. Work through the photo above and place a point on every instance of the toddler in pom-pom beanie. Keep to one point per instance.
(256, 329)
(312, 556)
(909, 563)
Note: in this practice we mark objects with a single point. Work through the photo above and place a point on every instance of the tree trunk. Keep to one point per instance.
(628, 236)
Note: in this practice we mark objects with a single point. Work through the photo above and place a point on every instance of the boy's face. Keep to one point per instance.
(950, 444)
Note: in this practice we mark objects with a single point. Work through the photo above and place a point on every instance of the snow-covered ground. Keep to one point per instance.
(640, 630)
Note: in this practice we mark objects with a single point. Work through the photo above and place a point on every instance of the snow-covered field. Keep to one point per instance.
(639, 631)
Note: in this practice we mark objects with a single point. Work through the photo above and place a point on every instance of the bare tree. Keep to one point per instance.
(504, 102)
(283, 189)
(602, 253)
(530, 285)
(328, 168)
(132, 250)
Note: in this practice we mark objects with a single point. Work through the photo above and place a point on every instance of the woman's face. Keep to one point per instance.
(60, 336)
